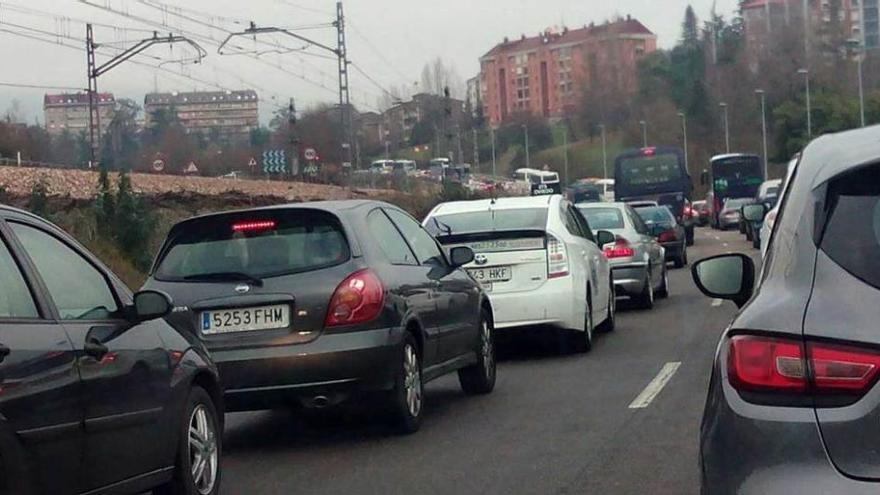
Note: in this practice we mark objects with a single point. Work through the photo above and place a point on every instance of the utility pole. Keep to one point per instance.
(684, 132)
(458, 139)
(644, 133)
(95, 71)
(806, 74)
(565, 154)
(294, 141)
(528, 159)
(604, 153)
(726, 123)
(476, 151)
(763, 95)
(492, 134)
(344, 97)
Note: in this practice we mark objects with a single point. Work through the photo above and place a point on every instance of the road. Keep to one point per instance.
(556, 424)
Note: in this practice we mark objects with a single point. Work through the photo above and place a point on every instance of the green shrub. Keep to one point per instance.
(38, 203)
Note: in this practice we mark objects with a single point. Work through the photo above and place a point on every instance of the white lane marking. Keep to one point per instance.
(725, 244)
(716, 237)
(716, 302)
(653, 389)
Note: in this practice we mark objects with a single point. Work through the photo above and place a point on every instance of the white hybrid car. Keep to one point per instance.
(537, 259)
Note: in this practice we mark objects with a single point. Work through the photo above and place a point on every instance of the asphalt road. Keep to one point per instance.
(556, 424)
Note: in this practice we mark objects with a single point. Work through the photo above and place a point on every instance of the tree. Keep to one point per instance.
(690, 37)
(438, 75)
(120, 145)
(133, 224)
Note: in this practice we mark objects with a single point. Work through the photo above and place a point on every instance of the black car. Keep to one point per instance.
(794, 403)
(669, 233)
(98, 393)
(312, 304)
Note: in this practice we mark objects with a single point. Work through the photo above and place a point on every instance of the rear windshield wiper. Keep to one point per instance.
(442, 226)
(225, 277)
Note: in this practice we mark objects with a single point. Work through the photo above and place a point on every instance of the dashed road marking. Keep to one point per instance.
(656, 386)
(716, 237)
(716, 302)
(725, 244)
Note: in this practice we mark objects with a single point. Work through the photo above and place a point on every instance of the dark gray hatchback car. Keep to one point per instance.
(314, 303)
(793, 403)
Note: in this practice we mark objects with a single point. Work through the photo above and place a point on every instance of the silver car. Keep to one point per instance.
(638, 261)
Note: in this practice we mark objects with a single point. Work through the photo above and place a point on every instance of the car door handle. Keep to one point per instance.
(95, 349)
(4, 351)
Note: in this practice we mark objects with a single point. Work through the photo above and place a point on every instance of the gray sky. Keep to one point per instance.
(390, 40)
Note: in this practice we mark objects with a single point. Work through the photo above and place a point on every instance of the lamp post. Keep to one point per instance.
(492, 133)
(726, 126)
(604, 153)
(644, 133)
(684, 132)
(528, 160)
(763, 95)
(565, 154)
(854, 46)
(806, 74)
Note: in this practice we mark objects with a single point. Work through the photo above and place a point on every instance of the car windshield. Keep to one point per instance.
(603, 218)
(735, 204)
(489, 220)
(656, 215)
(252, 246)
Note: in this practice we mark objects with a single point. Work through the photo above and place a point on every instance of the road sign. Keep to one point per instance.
(191, 168)
(274, 161)
(253, 163)
(310, 154)
(158, 165)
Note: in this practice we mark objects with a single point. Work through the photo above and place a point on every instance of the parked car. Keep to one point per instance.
(537, 259)
(701, 212)
(731, 215)
(793, 389)
(312, 304)
(671, 235)
(770, 218)
(638, 261)
(98, 393)
(688, 221)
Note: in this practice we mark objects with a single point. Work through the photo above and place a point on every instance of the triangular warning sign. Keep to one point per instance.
(252, 163)
(191, 168)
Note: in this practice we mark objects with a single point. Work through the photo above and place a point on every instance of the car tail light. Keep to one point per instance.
(620, 249)
(667, 236)
(649, 151)
(557, 258)
(688, 212)
(253, 225)
(358, 299)
(781, 365)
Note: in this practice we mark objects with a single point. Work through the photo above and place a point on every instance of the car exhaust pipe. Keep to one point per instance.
(320, 401)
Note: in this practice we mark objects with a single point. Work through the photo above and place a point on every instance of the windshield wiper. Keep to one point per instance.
(442, 226)
(225, 277)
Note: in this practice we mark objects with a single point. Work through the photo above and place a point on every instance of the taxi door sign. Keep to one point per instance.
(546, 189)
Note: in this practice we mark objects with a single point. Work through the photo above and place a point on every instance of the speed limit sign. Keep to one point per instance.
(310, 154)
(158, 165)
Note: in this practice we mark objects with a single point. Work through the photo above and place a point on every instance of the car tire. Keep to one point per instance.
(582, 342)
(479, 379)
(663, 291)
(645, 300)
(742, 228)
(407, 397)
(756, 242)
(682, 258)
(199, 437)
(609, 324)
(689, 236)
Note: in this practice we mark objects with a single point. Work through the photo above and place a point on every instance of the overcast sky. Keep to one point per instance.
(390, 40)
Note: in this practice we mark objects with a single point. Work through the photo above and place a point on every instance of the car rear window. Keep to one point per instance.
(603, 218)
(488, 221)
(852, 229)
(656, 214)
(259, 244)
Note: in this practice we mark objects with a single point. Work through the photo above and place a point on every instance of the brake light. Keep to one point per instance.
(649, 151)
(781, 365)
(620, 249)
(688, 211)
(666, 236)
(252, 226)
(557, 258)
(358, 299)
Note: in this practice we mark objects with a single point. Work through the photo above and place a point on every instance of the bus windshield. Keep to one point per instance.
(736, 176)
(650, 170)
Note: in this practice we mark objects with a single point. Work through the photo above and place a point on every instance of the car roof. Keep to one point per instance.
(618, 205)
(333, 206)
(732, 155)
(19, 211)
(833, 154)
(509, 203)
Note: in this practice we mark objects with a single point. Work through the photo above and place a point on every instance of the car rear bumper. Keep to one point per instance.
(751, 449)
(333, 366)
(673, 249)
(629, 280)
(554, 303)
(728, 222)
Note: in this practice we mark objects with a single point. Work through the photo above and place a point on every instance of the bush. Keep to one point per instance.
(4, 195)
(38, 203)
(124, 219)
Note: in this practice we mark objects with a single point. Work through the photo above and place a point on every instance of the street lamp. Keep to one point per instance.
(528, 161)
(763, 95)
(604, 153)
(492, 133)
(644, 133)
(806, 74)
(684, 132)
(854, 45)
(726, 126)
(565, 153)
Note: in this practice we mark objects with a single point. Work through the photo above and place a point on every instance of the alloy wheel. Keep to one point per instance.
(488, 350)
(412, 381)
(203, 452)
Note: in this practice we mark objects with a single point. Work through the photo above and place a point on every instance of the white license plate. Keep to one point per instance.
(245, 319)
(491, 274)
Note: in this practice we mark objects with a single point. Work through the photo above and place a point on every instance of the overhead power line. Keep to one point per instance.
(39, 86)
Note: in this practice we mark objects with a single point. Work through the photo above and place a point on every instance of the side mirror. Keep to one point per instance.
(728, 276)
(755, 212)
(460, 256)
(151, 305)
(604, 237)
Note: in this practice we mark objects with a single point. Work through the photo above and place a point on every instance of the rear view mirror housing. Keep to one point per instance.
(755, 212)
(151, 305)
(460, 256)
(604, 237)
(727, 276)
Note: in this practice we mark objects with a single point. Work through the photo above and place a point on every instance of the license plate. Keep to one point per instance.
(490, 274)
(245, 319)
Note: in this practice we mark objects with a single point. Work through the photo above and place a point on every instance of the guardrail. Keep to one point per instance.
(15, 162)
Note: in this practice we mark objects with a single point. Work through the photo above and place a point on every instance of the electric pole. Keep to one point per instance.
(344, 98)
(294, 141)
(476, 151)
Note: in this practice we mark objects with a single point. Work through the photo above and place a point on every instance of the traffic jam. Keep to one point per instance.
(314, 306)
